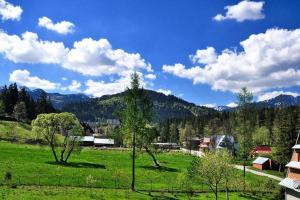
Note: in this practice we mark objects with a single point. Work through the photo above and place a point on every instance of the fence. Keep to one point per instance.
(122, 183)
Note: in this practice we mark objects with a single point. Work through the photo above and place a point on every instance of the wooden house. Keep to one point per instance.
(292, 182)
(262, 163)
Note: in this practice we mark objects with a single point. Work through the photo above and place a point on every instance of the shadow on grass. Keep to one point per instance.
(162, 168)
(157, 195)
(250, 196)
(79, 165)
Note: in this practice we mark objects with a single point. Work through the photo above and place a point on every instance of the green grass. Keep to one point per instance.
(16, 130)
(271, 172)
(62, 193)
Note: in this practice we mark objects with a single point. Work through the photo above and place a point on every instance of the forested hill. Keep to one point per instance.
(106, 107)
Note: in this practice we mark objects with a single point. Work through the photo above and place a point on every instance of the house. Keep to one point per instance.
(224, 142)
(262, 163)
(261, 150)
(292, 182)
(103, 142)
(205, 144)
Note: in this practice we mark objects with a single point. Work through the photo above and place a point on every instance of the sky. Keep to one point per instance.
(203, 51)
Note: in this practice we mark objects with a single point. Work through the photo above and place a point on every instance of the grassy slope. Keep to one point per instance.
(17, 130)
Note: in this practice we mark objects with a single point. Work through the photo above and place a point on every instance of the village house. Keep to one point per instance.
(292, 182)
(259, 150)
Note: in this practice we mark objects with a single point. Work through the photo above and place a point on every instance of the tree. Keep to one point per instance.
(186, 135)
(135, 117)
(54, 125)
(211, 169)
(174, 133)
(44, 105)
(244, 103)
(20, 112)
(2, 107)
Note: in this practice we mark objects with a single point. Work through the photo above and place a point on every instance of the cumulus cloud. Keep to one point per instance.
(267, 60)
(273, 94)
(23, 77)
(244, 10)
(63, 27)
(165, 92)
(88, 57)
(150, 76)
(205, 56)
(232, 105)
(74, 87)
(29, 49)
(10, 12)
(96, 57)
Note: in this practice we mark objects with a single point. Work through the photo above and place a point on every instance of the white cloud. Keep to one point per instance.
(88, 57)
(268, 60)
(209, 105)
(29, 49)
(205, 56)
(96, 57)
(165, 92)
(63, 27)
(100, 88)
(150, 76)
(64, 79)
(244, 10)
(273, 94)
(10, 12)
(74, 87)
(232, 105)
(23, 77)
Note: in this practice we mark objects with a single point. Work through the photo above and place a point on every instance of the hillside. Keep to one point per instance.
(106, 107)
(15, 131)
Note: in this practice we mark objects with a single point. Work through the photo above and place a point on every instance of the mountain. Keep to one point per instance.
(164, 107)
(281, 100)
(58, 100)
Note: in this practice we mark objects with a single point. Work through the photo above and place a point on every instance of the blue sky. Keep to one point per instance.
(93, 46)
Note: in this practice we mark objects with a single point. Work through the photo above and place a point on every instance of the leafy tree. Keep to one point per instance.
(54, 126)
(174, 133)
(135, 117)
(186, 135)
(20, 112)
(211, 169)
(2, 107)
(261, 136)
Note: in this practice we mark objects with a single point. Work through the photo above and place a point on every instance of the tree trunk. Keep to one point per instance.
(216, 192)
(69, 154)
(153, 157)
(227, 190)
(133, 163)
(54, 154)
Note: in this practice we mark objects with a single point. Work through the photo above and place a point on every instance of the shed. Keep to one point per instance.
(262, 163)
(104, 142)
(87, 140)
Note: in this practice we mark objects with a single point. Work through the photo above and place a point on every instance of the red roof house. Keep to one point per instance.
(261, 150)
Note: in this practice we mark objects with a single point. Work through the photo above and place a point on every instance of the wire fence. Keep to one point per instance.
(124, 183)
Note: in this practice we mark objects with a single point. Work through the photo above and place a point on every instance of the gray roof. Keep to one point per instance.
(260, 160)
(293, 164)
(297, 146)
(291, 184)
(104, 141)
(87, 139)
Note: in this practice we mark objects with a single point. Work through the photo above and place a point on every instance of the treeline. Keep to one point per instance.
(17, 103)
(275, 127)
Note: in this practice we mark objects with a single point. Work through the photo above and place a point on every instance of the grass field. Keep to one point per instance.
(62, 193)
(16, 131)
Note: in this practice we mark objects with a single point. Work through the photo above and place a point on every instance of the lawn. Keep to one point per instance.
(19, 131)
(60, 193)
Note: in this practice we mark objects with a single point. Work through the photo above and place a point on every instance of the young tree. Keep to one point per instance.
(52, 126)
(20, 112)
(174, 133)
(186, 135)
(211, 169)
(135, 117)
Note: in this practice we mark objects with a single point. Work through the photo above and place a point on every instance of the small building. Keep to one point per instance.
(104, 142)
(292, 182)
(224, 142)
(261, 150)
(262, 163)
(205, 144)
(87, 140)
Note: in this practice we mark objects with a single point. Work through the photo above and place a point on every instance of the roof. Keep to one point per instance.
(293, 164)
(297, 146)
(291, 184)
(263, 148)
(87, 139)
(260, 160)
(104, 141)
(206, 140)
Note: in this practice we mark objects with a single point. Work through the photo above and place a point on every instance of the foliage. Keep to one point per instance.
(20, 112)
(50, 126)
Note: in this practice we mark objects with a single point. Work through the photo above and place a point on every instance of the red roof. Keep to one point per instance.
(262, 149)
